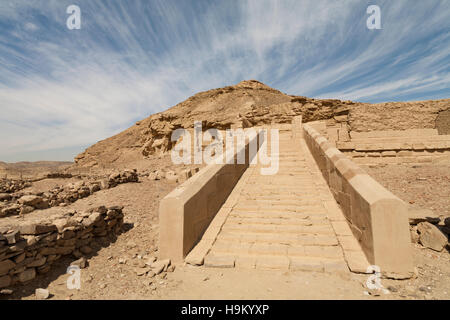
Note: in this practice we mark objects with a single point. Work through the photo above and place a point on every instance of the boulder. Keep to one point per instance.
(10, 210)
(160, 266)
(5, 266)
(81, 263)
(431, 237)
(38, 262)
(5, 197)
(34, 201)
(34, 229)
(26, 210)
(171, 176)
(41, 294)
(27, 275)
(5, 281)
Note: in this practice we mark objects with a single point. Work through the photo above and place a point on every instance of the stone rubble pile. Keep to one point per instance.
(30, 248)
(20, 203)
(11, 186)
(429, 230)
(171, 176)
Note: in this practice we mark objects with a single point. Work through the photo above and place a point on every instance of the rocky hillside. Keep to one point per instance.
(249, 103)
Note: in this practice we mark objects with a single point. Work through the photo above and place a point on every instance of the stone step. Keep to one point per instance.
(288, 195)
(309, 209)
(286, 189)
(278, 215)
(271, 262)
(277, 197)
(236, 248)
(289, 238)
(275, 202)
(282, 228)
(277, 221)
(282, 181)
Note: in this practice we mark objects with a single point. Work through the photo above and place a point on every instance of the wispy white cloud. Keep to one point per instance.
(61, 88)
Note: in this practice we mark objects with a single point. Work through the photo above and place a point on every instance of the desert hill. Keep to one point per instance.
(252, 103)
(30, 170)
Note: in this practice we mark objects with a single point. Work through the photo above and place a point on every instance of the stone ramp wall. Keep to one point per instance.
(185, 213)
(378, 218)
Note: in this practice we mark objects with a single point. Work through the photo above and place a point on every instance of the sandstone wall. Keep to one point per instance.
(378, 219)
(186, 212)
(396, 115)
(395, 147)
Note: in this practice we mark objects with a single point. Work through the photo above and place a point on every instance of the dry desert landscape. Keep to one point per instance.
(358, 185)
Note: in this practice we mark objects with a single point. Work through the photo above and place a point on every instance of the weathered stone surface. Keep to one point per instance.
(5, 281)
(41, 294)
(414, 235)
(19, 258)
(431, 237)
(34, 201)
(12, 237)
(5, 266)
(32, 247)
(27, 275)
(171, 176)
(39, 262)
(26, 210)
(35, 229)
(81, 263)
(160, 266)
(418, 215)
(10, 210)
(212, 261)
(5, 197)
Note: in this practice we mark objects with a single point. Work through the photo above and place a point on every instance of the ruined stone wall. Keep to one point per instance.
(407, 146)
(29, 248)
(443, 122)
(15, 203)
(396, 115)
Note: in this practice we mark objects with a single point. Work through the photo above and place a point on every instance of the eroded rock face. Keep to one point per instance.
(443, 122)
(247, 104)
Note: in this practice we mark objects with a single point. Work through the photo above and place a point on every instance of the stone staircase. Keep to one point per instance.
(286, 221)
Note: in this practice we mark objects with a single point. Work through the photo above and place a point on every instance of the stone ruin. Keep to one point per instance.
(29, 248)
(15, 203)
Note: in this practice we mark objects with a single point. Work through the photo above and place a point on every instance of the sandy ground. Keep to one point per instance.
(108, 278)
(425, 185)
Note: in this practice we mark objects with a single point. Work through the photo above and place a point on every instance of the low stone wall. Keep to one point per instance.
(378, 219)
(185, 213)
(399, 156)
(28, 248)
(24, 203)
(10, 186)
(394, 147)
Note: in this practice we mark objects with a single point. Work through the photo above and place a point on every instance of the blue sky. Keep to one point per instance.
(62, 90)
